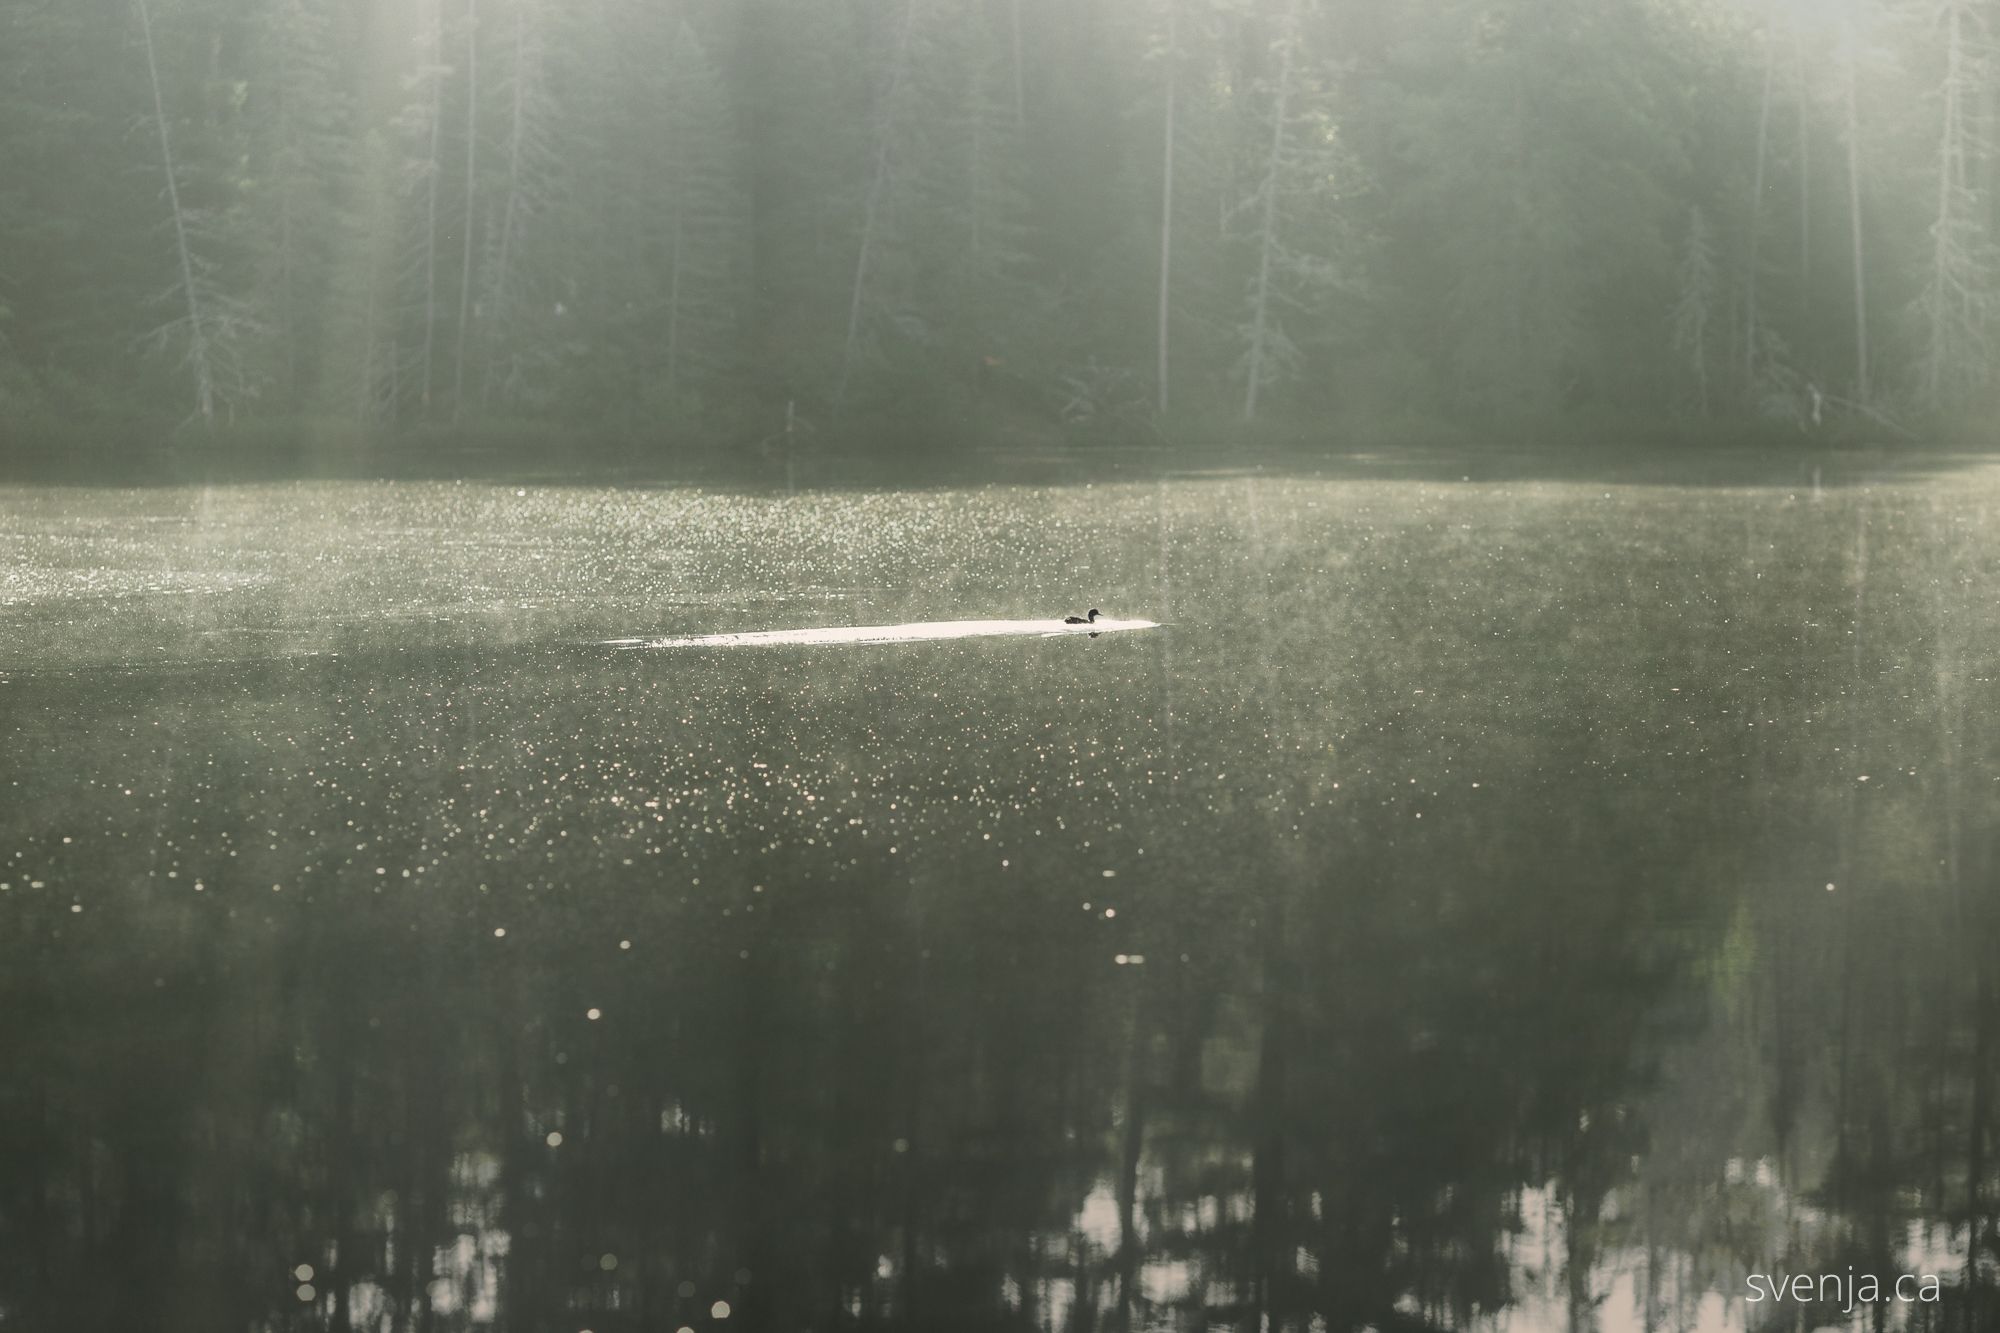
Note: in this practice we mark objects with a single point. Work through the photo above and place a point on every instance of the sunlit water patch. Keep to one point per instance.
(920, 632)
(1489, 907)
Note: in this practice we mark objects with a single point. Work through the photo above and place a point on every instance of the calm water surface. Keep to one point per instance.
(1513, 904)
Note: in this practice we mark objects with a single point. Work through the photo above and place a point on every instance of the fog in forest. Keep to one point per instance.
(941, 223)
(999, 666)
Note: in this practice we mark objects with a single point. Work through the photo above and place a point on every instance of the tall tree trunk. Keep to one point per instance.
(1805, 178)
(1268, 240)
(674, 314)
(975, 194)
(434, 164)
(198, 360)
(1941, 224)
(471, 199)
(364, 401)
(1861, 394)
(1167, 202)
(1985, 160)
(288, 315)
(503, 259)
(1020, 79)
(1957, 288)
(1752, 317)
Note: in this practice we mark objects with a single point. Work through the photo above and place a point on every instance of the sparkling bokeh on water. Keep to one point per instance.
(1371, 938)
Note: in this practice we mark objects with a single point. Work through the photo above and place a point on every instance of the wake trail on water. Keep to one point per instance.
(923, 631)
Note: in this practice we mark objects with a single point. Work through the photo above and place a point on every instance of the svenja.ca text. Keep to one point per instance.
(1847, 1290)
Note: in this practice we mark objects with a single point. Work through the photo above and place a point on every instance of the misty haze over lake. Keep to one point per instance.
(1061, 666)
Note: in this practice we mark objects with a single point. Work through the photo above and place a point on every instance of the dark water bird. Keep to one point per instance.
(1090, 619)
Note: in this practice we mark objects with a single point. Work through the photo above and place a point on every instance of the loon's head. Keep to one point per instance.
(1092, 617)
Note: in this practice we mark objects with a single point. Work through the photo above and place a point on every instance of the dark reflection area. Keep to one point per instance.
(1401, 943)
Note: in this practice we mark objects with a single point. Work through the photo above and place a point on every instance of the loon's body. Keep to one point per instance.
(1090, 619)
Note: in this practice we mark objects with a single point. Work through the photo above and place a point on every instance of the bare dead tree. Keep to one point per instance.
(1261, 326)
(1852, 107)
(887, 130)
(1167, 206)
(197, 360)
(210, 326)
(1957, 298)
(1752, 315)
(471, 199)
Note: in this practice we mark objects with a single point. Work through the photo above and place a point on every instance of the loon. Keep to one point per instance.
(1090, 619)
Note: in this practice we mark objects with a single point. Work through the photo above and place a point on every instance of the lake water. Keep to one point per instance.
(1537, 900)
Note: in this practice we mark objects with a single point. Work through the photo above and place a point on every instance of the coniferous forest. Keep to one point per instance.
(999, 666)
(706, 221)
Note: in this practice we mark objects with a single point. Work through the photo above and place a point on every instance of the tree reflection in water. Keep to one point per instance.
(1535, 963)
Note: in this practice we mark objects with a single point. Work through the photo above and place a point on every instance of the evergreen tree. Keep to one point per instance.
(1292, 228)
(1184, 157)
(299, 128)
(82, 216)
(468, 204)
(509, 302)
(1532, 193)
(1956, 303)
(1753, 320)
(421, 129)
(894, 125)
(619, 212)
(697, 246)
(1169, 159)
(975, 289)
(365, 366)
(1850, 66)
(1696, 308)
(801, 94)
